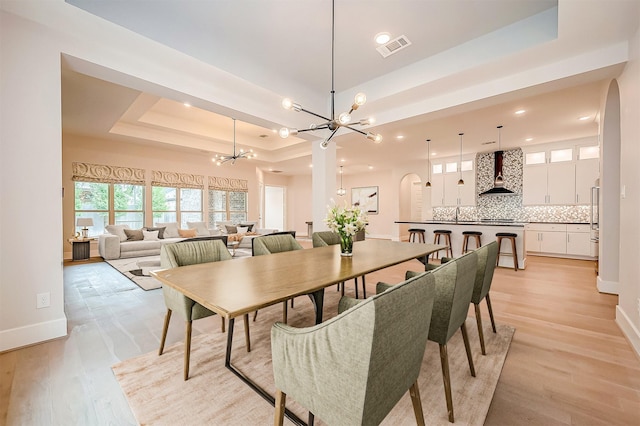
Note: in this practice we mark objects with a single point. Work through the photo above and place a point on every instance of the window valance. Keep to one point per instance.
(176, 180)
(228, 184)
(86, 172)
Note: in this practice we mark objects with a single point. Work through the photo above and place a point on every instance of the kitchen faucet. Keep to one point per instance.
(457, 213)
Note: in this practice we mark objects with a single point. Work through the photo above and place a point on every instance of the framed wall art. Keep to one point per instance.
(366, 198)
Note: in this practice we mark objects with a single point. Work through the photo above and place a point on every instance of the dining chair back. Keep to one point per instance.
(487, 256)
(355, 367)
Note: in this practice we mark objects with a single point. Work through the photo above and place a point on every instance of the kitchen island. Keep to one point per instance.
(488, 229)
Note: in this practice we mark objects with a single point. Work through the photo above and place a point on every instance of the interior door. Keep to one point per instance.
(274, 207)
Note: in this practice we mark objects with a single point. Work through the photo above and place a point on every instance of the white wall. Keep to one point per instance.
(628, 312)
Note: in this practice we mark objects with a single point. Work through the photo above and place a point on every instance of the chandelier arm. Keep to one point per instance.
(311, 129)
(331, 135)
(317, 115)
(348, 126)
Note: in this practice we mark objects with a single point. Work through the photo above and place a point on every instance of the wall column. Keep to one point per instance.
(323, 182)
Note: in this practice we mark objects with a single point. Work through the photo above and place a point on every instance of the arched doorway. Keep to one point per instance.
(410, 202)
(609, 208)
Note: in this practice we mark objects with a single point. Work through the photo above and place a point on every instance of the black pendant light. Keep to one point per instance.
(461, 181)
(428, 184)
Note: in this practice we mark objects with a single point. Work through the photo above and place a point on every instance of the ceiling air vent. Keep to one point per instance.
(394, 46)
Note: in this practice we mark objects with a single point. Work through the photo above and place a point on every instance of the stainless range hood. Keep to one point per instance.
(498, 182)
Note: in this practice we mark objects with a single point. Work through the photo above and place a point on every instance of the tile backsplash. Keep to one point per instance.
(509, 206)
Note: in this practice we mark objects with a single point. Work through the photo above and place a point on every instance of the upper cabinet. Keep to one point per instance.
(445, 191)
(559, 174)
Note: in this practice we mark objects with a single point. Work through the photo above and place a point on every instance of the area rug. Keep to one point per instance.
(157, 394)
(130, 269)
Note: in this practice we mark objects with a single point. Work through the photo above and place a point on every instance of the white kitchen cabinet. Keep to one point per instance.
(451, 189)
(546, 238)
(553, 183)
(437, 190)
(587, 171)
(578, 240)
(467, 192)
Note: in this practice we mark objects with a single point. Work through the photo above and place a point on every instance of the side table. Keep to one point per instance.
(81, 249)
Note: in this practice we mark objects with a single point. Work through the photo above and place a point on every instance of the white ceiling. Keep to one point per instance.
(284, 46)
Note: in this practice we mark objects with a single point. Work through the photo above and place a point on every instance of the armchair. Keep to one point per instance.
(174, 255)
(454, 288)
(275, 243)
(355, 367)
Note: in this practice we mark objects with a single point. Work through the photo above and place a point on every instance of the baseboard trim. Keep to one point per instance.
(628, 329)
(31, 334)
(609, 287)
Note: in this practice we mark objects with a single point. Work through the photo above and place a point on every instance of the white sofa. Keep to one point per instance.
(116, 245)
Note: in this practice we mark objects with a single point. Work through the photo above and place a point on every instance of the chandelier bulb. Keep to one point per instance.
(284, 133)
(360, 99)
(287, 103)
(344, 118)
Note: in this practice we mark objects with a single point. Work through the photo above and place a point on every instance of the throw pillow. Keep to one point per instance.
(248, 225)
(117, 230)
(134, 234)
(160, 231)
(171, 229)
(242, 229)
(200, 227)
(150, 235)
(231, 229)
(187, 233)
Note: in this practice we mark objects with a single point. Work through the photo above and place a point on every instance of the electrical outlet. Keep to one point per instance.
(43, 300)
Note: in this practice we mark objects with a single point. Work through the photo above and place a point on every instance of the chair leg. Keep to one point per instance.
(446, 378)
(467, 347)
(493, 323)
(247, 339)
(167, 318)
(284, 312)
(281, 399)
(187, 349)
(515, 254)
(414, 391)
(255, 315)
(499, 247)
(355, 280)
(479, 322)
(222, 324)
(291, 303)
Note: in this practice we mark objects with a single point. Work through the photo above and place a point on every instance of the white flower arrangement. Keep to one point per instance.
(344, 220)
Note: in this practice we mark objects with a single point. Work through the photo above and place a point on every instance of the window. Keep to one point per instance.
(451, 167)
(227, 205)
(107, 203)
(589, 152)
(437, 169)
(535, 158)
(560, 155)
(180, 205)
(466, 165)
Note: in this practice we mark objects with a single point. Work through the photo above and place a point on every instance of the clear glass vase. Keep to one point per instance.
(346, 245)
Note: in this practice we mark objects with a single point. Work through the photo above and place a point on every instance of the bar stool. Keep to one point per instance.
(512, 237)
(413, 232)
(465, 241)
(446, 234)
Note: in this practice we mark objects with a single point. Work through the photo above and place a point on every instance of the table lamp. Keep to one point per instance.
(85, 222)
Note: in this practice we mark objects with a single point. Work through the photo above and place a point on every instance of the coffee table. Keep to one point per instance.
(146, 266)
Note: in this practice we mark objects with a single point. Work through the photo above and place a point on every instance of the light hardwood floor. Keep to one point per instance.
(568, 364)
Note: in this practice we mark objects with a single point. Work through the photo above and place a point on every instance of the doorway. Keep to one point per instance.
(274, 207)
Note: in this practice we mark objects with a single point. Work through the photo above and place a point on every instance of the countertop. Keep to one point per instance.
(465, 222)
(480, 222)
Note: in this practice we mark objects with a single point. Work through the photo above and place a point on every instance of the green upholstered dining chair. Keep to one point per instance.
(275, 243)
(487, 256)
(353, 368)
(330, 238)
(173, 255)
(454, 287)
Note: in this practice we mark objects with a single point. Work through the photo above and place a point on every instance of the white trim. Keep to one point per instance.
(15, 338)
(628, 329)
(610, 287)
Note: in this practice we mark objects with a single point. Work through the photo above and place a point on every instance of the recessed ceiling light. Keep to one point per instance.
(311, 165)
(370, 167)
(342, 160)
(187, 104)
(399, 137)
(586, 117)
(528, 139)
(433, 153)
(382, 38)
(520, 112)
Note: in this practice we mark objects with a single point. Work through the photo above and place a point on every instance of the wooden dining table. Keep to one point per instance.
(236, 287)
